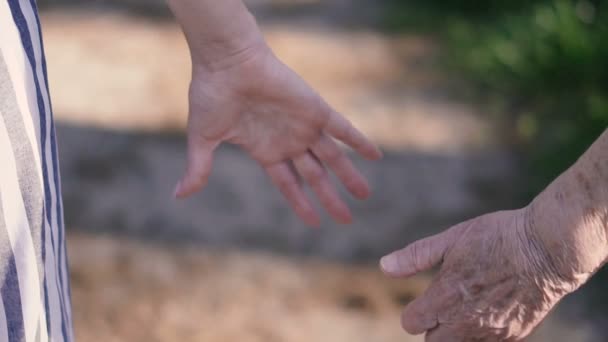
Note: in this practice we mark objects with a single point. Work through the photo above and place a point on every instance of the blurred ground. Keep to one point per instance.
(188, 295)
(233, 263)
(131, 291)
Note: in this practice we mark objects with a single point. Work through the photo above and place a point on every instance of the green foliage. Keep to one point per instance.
(552, 58)
(548, 58)
(549, 49)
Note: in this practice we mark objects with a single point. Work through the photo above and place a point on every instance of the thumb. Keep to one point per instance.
(200, 160)
(420, 256)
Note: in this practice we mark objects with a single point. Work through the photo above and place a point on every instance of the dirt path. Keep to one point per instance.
(129, 291)
(169, 294)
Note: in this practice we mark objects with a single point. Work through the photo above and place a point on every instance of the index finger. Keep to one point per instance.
(340, 128)
(422, 314)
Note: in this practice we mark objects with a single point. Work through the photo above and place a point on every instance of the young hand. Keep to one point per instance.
(253, 100)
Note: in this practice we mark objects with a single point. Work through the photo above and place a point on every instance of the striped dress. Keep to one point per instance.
(34, 282)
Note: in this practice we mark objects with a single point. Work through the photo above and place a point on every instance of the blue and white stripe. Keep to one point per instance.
(34, 283)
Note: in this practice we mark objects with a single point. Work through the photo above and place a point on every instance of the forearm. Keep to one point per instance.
(220, 33)
(571, 215)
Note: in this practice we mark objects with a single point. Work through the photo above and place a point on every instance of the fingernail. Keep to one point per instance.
(176, 190)
(389, 264)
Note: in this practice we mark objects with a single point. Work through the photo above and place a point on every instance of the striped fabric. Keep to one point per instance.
(34, 283)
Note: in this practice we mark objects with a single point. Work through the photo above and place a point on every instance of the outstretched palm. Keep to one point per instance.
(268, 110)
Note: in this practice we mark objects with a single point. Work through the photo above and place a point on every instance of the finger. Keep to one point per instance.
(334, 157)
(419, 256)
(444, 334)
(315, 175)
(200, 160)
(418, 317)
(422, 314)
(284, 177)
(341, 129)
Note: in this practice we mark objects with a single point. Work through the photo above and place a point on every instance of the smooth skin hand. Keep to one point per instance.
(242, 94)
(501, 274)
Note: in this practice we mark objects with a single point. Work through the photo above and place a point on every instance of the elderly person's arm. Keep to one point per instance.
(242, 94)
(502, 273)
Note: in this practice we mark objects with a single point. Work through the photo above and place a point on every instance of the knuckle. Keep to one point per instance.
(333, 155)
(339, 130)
(285, 182)
(324, 111)
(415, 257)
(357, 141)
(352, 184)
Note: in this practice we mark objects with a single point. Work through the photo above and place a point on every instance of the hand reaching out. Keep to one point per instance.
(502, 273)
(497, 279)
(253, 100)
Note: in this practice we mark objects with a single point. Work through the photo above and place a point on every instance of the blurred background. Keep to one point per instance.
(478, 105)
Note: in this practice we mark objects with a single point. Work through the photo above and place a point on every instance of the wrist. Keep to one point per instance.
(226, 53)
(571, 228)
(571, 215)
(216, 31)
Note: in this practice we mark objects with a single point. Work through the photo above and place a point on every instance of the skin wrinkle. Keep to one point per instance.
(559, 196)
(601, 169)
(568, 262)
(577, 225)
(507, 287)
(416, 257)
(585, 185)
(540, 263)
(503, 272)
(503, 311)
(512, 321)
(507, 295)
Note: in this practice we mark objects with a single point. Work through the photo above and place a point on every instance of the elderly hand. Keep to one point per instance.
(502, 273)
(498, 278)
(253, 100)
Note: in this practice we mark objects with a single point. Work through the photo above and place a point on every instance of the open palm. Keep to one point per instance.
(267, 109)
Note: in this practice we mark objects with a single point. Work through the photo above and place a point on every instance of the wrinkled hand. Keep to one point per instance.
(496, 282)
(253, 100)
